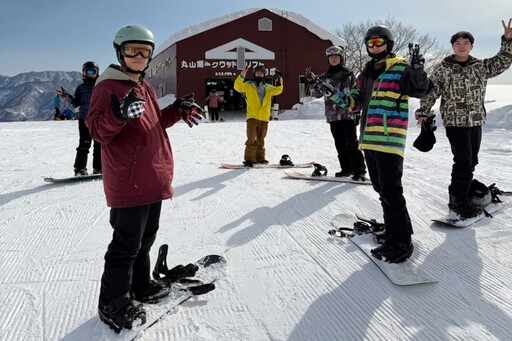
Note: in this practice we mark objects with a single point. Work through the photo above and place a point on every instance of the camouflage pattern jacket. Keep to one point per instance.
(342, 80)
(462, 88)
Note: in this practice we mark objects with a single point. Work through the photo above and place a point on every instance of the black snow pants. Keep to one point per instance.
(345, 139)
(386, 171)
(465, 144)
(83, 149)
(127, 263)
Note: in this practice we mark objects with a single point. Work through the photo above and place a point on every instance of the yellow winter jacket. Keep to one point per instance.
(255, 109)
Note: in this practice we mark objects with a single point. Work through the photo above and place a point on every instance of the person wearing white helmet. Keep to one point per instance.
(342, 121)
(138, 166)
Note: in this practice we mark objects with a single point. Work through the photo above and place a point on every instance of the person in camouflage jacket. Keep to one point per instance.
(460, 80)
(342, 121)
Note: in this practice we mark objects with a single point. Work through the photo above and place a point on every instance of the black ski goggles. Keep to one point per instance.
(90, 72)
(132, 51)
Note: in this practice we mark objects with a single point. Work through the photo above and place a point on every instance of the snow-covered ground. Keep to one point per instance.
(287, 279)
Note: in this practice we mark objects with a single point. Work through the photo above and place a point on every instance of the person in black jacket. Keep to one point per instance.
(82, 97)
(343, 122)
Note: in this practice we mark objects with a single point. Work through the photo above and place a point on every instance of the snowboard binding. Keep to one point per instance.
(319, 170)
(286, 161)
(362, 226)
(180, 273)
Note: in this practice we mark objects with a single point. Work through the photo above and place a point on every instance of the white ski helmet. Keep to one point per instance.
(132, 34)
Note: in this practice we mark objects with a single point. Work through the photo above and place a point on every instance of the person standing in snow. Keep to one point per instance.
(56, 106)
(342, 121)
(213, 101)
(138, 167)
(382, 92)
(82, 98)
(259, 101)
(461, 80)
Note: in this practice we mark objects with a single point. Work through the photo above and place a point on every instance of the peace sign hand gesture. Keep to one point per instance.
(508, 29)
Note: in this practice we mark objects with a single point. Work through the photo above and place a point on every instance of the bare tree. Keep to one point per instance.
(356, 55)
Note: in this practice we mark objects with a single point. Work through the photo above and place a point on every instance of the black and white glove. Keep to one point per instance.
(416, 59)
(189, 111)
(130, 108)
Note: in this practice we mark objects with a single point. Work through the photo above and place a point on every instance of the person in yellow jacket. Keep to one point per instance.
(259, 101)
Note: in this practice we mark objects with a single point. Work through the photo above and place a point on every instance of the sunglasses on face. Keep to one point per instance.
(90, 72)
(132, 51)
(376, 42)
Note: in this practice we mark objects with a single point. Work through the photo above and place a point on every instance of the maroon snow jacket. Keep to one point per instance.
(136, 155)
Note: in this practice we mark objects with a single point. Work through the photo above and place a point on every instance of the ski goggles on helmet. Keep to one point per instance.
(132, 51)
(376, 42)
(90, 72)
(334, 50)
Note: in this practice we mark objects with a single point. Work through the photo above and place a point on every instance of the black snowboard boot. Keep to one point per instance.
(121, 312)
(343, 173)
(248, 163)
(359, 175)
(463, 207)
(154, 292)
(393, 251)
(81, 172)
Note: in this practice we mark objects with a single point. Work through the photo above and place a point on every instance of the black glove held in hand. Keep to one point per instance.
(131, 107)
(188, 110)
(417, 61)
(326, 89)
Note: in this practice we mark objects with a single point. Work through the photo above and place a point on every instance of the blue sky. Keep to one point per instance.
(43, 35)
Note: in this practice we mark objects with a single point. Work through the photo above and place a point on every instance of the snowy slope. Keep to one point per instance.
(287, 279)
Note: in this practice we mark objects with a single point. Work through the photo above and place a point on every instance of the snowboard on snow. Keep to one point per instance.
(402, 274)
(211, 269)
(301, 176)
(74, 178)
(454, 220)
(271, 165)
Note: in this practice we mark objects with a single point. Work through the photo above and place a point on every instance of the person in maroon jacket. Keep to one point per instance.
(138, 166)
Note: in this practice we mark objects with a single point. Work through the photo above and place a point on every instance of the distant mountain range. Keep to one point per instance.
(29, 96)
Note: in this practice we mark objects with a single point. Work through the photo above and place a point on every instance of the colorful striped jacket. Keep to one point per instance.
(384, 103)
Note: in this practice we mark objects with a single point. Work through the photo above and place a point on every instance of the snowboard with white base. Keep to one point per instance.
(74, 178)
(301, 176)
(402, 274)
(211, 269)
(261, 165)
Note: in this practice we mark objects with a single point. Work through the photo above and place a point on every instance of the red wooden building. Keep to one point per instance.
(210, 55)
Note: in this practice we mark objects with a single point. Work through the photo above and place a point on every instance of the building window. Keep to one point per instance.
(265, 24)
(161, 90)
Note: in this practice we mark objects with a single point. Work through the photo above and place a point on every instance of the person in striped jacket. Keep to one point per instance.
(381, 93)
